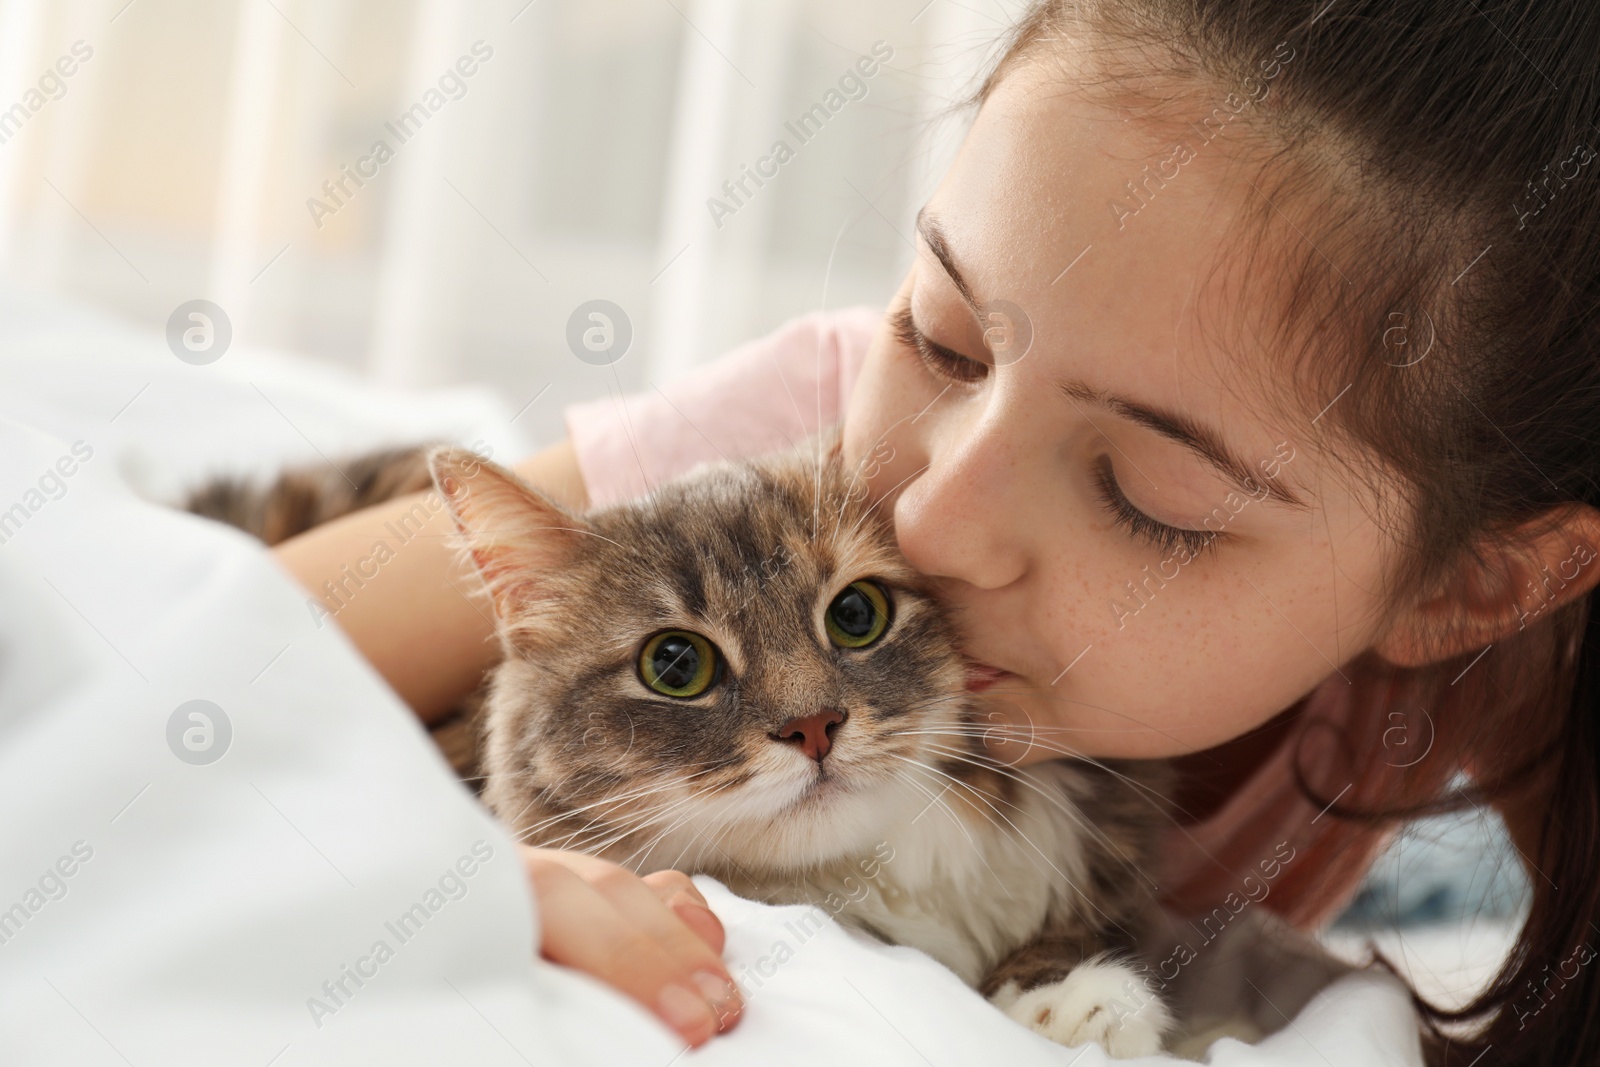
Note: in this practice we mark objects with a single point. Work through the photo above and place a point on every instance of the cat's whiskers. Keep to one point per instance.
(598, 835)
(609, 822)
(870, 450)
(634, 821)
(1022, 835)
(685, 802)
(612, 829)
(961, 824)
(723, 826)
(818, 440)
(937, 799)
(1155, 800)
(1084, 896)
(867, 514)
(1071, 811)
(752, 880)
(715, 843)
(957, 782)
(555, 788)
(855, 475)
(1164, 807)
(593, 829)
(510, 824)
(767, 824)
(679, 811)
(610, 798)
(1080, 819)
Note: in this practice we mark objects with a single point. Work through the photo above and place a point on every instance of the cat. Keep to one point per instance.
(739, 675)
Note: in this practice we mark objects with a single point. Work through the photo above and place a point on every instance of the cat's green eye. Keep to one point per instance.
(677, 663)
(858, 616)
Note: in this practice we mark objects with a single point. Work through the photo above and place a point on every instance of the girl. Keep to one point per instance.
(1243, 400)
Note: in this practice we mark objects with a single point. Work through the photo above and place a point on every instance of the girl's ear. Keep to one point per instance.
(515, 535)
(1507, 584)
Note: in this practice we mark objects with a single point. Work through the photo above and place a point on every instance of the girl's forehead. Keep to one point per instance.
(1134, 257)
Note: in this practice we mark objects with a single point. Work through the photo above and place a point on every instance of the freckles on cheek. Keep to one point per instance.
(1068, 609)
(1193, 658)
(1178, 658)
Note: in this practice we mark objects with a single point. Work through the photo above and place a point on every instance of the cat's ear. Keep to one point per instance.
(515, 535)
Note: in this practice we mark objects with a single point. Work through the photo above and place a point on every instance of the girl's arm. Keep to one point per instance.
(419, 620)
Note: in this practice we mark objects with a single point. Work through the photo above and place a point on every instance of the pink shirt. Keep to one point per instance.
(761, 397)
(778, 389)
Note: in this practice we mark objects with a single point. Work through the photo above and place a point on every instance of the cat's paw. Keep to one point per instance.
(1102, 1002)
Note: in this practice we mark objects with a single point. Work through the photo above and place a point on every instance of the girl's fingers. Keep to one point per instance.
(700, 920)
(641, 899)
(679, 893)
(585, 930)
(605, 921)
(668, 884)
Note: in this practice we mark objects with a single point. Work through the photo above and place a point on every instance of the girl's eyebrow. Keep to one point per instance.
(1199, 439)
(928, 227)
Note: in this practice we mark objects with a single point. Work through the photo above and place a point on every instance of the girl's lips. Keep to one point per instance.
(981, 676)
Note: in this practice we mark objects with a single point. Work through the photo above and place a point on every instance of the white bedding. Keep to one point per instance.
(207, 904)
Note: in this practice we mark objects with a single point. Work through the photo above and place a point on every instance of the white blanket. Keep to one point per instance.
(324, 891)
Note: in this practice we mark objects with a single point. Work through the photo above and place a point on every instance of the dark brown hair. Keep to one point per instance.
(1443, 153)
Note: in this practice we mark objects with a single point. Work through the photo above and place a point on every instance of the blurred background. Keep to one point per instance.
(536, 155)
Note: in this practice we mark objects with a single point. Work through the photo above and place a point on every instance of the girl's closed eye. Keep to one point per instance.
(949, 364)
(942, 361)
(1141, 526)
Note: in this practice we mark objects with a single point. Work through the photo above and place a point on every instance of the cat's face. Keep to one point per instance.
(739, 668)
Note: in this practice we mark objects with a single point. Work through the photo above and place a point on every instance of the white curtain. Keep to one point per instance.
(534, 156)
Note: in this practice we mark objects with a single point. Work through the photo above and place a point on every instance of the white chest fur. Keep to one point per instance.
(963, 879)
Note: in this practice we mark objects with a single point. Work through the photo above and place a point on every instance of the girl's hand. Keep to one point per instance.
(652, 938)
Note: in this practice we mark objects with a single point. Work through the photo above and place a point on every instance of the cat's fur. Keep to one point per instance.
(1015, 879)
(302, 498)
(1027, 882)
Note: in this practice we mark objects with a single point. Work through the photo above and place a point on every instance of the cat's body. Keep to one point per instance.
(801, 766)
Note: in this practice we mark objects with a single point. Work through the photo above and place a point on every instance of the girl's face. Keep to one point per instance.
(1143, 560)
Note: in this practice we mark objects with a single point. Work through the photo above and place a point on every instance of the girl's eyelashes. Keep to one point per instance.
(945, 362)
(1141, 526)
(950, 364)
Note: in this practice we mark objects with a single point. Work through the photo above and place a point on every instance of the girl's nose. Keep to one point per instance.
(960, 518)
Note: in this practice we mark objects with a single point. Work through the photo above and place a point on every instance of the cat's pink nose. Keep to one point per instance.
(813, 733)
